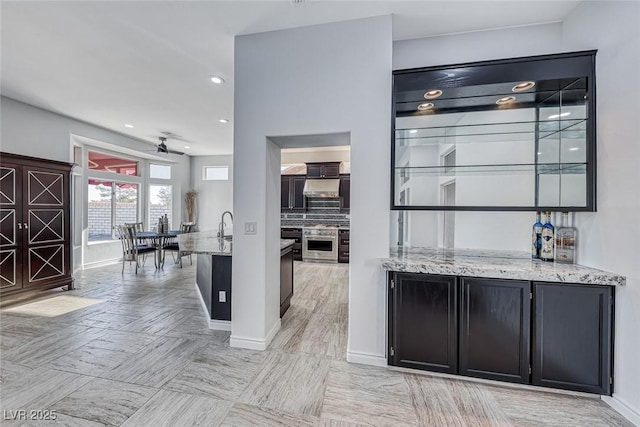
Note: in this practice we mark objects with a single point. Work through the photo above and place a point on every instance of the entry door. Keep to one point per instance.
(11, 227)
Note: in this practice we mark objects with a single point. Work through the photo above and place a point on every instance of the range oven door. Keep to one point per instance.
(321, 248)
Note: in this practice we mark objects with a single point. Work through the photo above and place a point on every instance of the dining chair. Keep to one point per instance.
(173, 246)
(131, 249)
(138, 226)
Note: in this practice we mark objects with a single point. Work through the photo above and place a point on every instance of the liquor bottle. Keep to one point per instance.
(565, 241)
(548, 239)
(536, 238)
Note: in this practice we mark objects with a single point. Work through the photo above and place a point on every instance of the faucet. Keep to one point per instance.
(222, 224)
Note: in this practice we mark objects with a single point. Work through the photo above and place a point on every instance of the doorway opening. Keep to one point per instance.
(315, 203)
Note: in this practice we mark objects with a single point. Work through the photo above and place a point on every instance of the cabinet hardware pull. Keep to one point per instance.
(26, 226)
(19, 226)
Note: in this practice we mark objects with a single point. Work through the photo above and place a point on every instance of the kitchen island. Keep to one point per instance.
(213, 274)
(501, 315)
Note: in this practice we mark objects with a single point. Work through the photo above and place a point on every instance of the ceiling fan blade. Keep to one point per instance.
(175, 152)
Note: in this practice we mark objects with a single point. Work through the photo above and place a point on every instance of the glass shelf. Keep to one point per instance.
(519, 169)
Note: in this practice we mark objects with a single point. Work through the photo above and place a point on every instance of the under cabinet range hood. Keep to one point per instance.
(321, 188)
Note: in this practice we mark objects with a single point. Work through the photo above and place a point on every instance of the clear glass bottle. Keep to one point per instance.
(536, 238)
(565, 241)
(548, 239)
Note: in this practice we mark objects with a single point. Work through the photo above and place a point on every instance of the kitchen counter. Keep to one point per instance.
(494, 264)
(208, 243)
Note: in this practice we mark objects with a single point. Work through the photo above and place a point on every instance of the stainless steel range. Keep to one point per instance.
(320, 243)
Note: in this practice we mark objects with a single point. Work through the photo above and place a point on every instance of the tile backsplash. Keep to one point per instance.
(319, 211)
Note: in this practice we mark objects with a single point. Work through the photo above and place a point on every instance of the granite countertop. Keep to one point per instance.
(494, 264)
(207, 242)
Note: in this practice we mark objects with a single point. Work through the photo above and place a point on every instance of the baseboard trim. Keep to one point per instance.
(623, 408)
(253, 343)
(366, 359)
(220, 325)
(104, 263)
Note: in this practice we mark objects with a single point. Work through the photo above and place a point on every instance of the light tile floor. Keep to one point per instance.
(145, 357)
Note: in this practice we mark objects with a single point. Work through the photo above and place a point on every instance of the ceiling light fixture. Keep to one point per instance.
(574, 149)
(187, 146)
(223, 121)
(556, 116)
(521, 87)
(506, 100)
(413, 131)
(426, 106)
(128, 126)
(217, 79)
(432, 94)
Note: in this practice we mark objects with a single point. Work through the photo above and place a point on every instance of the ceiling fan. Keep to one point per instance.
(162, 147)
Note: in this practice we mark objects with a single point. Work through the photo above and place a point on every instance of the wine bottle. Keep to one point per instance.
(536, 238)
(565, 241)
(548, 239)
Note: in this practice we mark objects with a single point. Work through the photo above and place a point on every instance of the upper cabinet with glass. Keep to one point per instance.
(515, 134)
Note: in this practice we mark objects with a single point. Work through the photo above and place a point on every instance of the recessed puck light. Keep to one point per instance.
(223, 121)
(425, 106)
(128, 126)
(556, 116)
(187, 146)
(432, 94)
(413, 131)
(506, 100)
(521, 87)
(217, 79)
(574, 149)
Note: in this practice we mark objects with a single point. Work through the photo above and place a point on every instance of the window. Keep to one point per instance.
(159, 171)
(215, 173)
(108, 163)
(110, 203)
(160, 203)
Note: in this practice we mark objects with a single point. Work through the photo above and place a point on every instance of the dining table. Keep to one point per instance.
(158, 240)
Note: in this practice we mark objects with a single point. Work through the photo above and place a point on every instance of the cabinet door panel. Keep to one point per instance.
(297, 196)
(494, 329)
(11, 228)
(331, 170)
(572, 337)
(345, 192)
(423, 322)
(285, 201)
(314, 170)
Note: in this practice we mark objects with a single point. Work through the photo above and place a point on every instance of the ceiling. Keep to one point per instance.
(148, 63)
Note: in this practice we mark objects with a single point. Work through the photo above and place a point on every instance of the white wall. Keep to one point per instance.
(214, 197)
(609, 238)
(345, 70)
(32, 131)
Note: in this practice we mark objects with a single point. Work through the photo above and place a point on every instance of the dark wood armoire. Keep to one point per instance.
(35, 231)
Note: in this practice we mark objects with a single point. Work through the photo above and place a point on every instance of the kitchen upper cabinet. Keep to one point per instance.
(291, 193)
(494, 329)
(423, 322)
(323, 170)
(572, 337)
(345, 192)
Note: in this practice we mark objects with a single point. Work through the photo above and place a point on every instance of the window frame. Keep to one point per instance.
(204, 172)
(151, 163)
(114, 183)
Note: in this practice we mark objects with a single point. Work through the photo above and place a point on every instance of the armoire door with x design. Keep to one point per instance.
(35, 224)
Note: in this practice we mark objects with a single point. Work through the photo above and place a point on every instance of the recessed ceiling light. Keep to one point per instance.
(217, 79)
(425, 106)
(555, 116)
(521, 87)
(539, 152)
(413, 131)
(128, 126)
(506, 100)
(432, 94)
(223, 121)
(187, 146)
(574, 149)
